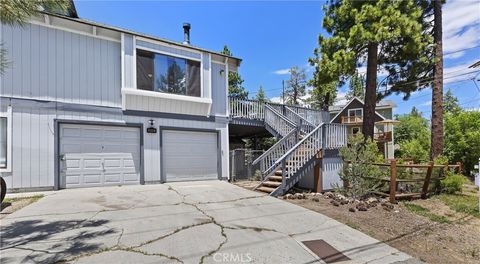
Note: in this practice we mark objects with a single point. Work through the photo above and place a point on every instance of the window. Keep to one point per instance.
(6, 140)
(356, 130)
(355, 112)
(3, 142)
(168, 74)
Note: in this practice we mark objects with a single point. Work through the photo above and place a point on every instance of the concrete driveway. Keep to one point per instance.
(194, 222)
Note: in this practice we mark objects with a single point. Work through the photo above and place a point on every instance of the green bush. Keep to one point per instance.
(452, 183)
(358, 174)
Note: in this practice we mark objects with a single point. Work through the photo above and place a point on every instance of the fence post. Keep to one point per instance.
(427, 180)
(460, 169)
(393, 180)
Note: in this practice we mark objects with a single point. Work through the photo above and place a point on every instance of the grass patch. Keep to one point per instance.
(422, 211)
(33, 199)
(461, 203)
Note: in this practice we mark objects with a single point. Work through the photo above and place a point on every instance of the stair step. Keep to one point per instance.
(271, 184)
(275, 178)
(265, 189)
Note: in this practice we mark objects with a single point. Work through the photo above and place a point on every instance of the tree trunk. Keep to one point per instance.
(370, 91)
(437, 90)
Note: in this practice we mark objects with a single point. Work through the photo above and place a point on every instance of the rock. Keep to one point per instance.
(318, 194)
(288, 196)
(340, 197)
(362, 208)
(335, 203)
(329, 195)
(371, 200)
(387, 206)
(344, 201)
(351, 209)
(316, 199)
(361, 204)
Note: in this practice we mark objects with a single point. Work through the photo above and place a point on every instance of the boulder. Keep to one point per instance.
(316, 199)
(288, 196)
(352, 209)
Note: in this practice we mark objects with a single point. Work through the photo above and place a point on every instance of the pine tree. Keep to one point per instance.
(382, 33)
(296, 85)
(450, 103)
(356, 86)
(437, 89)
(322, 96)
(260, 96)
(235, 81)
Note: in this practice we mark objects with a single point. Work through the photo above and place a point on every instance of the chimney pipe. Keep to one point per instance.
(186, 33)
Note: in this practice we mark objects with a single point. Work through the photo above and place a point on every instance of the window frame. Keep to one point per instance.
(359, 130)
(354, 110)
(155, 51)
(8, 116)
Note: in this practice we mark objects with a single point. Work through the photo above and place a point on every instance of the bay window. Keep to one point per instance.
(168, 74)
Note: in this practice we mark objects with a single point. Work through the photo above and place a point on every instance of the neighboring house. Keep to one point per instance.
(351, 114)
(85, 104)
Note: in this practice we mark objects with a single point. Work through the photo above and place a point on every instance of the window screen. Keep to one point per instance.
(168, 74)
(3, 142)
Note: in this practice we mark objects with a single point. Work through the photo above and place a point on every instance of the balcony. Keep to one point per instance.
(351, 119)
(383, 136)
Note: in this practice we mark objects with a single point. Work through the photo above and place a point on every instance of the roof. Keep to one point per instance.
(475, 65)
(384, 104)
(122, 30)
(346, 106)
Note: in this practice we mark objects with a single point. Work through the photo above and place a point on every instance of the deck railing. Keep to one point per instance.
(248, 109)
(300, 154)
(351, 119)
(254, 109)
(277, 121)
(268, 158)
(335, 136)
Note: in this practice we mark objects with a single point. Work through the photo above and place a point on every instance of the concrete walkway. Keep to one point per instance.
(194, 222)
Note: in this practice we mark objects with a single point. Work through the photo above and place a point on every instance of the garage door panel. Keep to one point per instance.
(98, 155)
(189, 155)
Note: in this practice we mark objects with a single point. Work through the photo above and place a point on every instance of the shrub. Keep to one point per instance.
(358, 174)
(452, 183)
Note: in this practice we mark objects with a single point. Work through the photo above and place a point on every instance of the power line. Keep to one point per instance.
(460, 50)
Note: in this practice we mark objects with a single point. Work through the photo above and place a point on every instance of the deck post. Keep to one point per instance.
(317, 170)
(427, 180)
(284, 176)
(393, 180)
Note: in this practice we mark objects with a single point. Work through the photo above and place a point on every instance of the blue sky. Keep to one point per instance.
(272, 36)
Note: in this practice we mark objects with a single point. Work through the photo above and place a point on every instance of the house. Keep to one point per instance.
(351, 114)
(85, 104)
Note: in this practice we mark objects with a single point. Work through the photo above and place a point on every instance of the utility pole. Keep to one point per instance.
(283, 92)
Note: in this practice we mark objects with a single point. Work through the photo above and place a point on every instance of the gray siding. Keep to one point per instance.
(33, 131)
(167, 49)
(129, 60)
(219, 90)
(57, 65)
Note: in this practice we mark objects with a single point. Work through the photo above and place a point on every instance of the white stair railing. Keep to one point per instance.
(277, 121)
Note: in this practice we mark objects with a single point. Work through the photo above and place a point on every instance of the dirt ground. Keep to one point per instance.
(10, 205)
(457, 241)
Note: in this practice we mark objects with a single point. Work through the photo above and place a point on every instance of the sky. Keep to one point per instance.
(273, 36)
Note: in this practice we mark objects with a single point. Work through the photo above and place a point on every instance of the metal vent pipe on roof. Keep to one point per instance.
(186, 33)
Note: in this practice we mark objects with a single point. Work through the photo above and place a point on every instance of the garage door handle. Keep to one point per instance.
(103, 166)
(62, 157)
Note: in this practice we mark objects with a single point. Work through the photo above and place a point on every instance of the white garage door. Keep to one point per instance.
(189, 155)
(98, 155)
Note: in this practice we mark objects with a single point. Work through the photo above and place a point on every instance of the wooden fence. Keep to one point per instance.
(394, 181)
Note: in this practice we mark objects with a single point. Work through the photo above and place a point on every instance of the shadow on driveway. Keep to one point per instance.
(49, 242)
